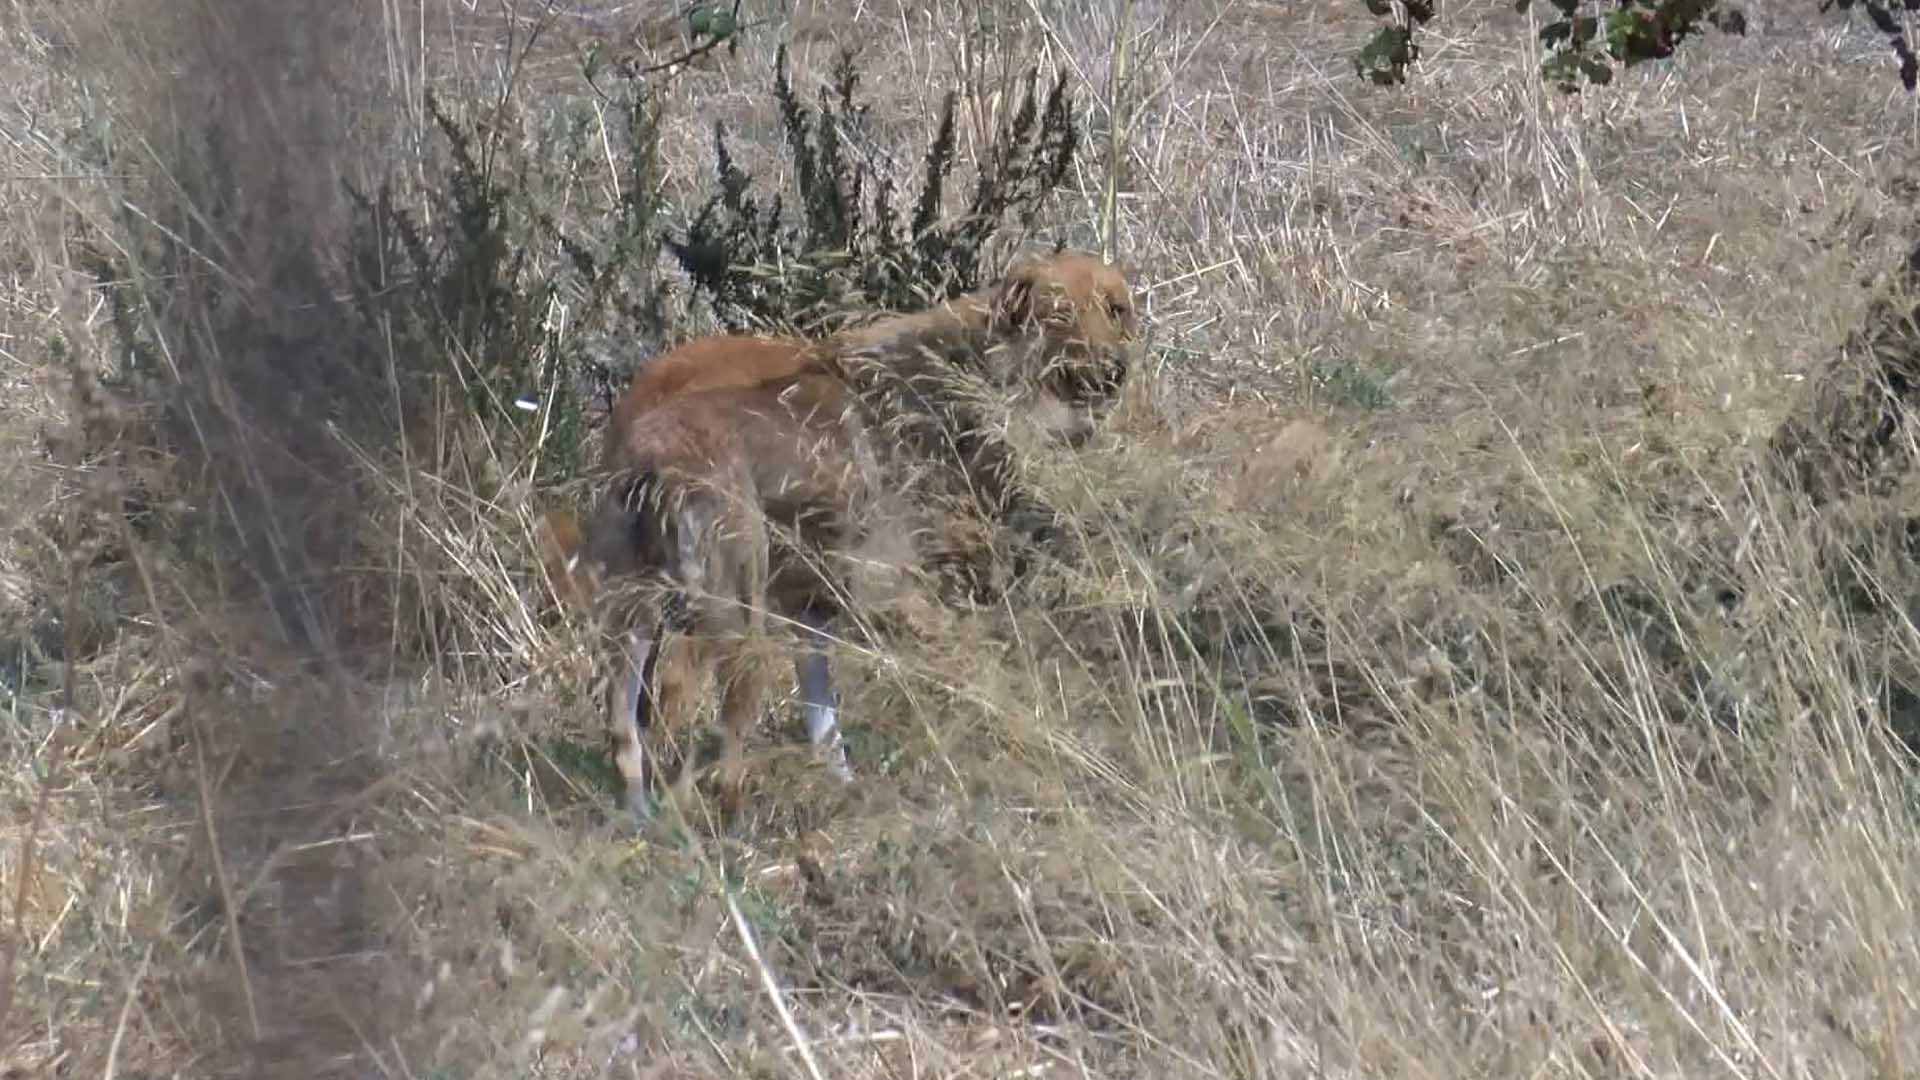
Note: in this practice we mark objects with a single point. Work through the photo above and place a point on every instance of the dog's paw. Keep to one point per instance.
(628, 819)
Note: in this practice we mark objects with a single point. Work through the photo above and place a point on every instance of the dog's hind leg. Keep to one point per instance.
(629, 718)
(816, 696)
(733, 537)
(742, 676)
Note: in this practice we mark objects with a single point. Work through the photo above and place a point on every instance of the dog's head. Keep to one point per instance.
(1071, 319)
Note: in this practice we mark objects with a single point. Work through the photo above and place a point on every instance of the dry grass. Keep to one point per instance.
(1441, 694)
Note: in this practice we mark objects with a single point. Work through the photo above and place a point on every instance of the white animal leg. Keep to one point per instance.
(630, 717)
(816, 696)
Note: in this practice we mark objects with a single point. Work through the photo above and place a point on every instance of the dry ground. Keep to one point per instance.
(1441, 696)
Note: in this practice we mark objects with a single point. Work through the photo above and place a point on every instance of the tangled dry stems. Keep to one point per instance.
(1443, 691)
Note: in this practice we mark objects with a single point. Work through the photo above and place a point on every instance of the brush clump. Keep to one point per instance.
(1481, 642)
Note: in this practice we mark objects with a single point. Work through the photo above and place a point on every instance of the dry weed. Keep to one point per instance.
(1441, 692)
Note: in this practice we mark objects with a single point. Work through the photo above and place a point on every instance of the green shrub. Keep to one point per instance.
(851, 245)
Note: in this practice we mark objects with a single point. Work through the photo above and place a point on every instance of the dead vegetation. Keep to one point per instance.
(1448, 683)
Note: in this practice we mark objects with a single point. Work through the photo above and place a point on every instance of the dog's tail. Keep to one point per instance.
(631, 529)
(623, 535)
(645, 532)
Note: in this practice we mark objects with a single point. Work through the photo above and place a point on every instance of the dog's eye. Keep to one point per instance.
(1118, 310)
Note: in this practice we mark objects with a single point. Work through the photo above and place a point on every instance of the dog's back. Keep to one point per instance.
(739, 463)
(709, 363)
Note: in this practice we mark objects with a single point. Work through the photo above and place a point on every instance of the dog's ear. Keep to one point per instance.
(1013, 300)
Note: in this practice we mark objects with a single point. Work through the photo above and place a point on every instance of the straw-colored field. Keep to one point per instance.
(1442, 691)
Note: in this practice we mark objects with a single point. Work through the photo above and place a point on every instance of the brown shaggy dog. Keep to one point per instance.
(754, 475)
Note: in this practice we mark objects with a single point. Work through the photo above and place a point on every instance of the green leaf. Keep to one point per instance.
(1387, 56)
(1624, 30)
(1729, 21)
(1561, 70)
(1570, 32)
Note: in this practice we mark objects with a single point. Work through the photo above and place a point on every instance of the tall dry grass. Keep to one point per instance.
(1441, 693)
